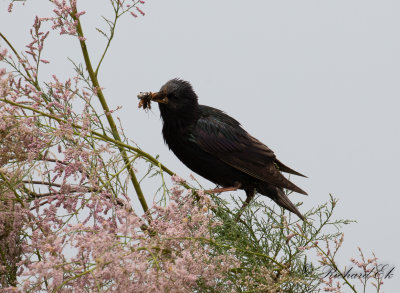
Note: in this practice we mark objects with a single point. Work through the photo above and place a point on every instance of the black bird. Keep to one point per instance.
(215, 146)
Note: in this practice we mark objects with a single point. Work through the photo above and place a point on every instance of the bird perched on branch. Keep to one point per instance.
(215, 146)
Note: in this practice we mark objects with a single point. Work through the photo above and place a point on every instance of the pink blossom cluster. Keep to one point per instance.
(127, 5)
(3, 53)
(330, 285)
(169, 253)
(371, 270)
(35, 47)
(20, 138)
(370, 275)
(24, 82)
(66, 17)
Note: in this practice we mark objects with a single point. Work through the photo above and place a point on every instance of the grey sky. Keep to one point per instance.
(316, 81)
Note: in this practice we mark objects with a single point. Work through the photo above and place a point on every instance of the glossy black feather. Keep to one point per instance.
(222, 136)
(214, 145)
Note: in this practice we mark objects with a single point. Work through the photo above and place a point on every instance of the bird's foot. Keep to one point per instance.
(224, 189)
(249, 197)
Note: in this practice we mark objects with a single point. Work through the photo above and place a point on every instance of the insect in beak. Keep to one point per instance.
(147, 97)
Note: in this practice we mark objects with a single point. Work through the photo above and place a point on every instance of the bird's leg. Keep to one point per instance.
(223, 189)
(249, 196)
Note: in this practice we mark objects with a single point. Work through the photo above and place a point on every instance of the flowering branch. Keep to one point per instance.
(119, 143)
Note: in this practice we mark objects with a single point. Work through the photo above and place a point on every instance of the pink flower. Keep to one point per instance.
(140, 11)
(3, 54)
(177, 179)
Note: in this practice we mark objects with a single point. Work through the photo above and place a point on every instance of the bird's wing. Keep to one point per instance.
(223, 137)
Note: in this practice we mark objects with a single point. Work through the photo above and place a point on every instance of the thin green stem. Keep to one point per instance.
(109, 39)
(106, 109)
(73, 278)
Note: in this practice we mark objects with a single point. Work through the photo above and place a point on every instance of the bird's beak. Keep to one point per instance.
(159, 98)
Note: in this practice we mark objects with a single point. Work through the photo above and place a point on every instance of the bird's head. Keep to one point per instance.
(176, 98)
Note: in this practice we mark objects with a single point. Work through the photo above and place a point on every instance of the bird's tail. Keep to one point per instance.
(277, 195)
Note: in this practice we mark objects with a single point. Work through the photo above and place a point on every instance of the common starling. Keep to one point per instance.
(215, 146)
